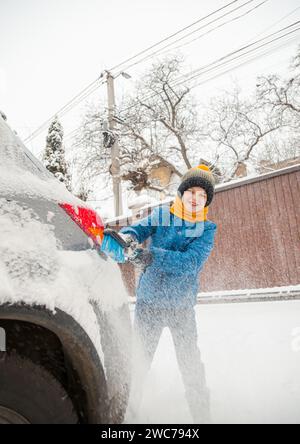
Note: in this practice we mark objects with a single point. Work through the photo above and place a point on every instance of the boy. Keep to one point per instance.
(181, 241)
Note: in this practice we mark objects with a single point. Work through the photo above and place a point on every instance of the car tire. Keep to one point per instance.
(30, 394)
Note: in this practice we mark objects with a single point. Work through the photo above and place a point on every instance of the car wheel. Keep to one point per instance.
(29, 394)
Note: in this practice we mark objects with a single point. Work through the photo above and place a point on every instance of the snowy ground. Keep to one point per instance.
(251, 353)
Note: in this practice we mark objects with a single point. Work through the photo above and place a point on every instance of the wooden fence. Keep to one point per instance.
(258, 236)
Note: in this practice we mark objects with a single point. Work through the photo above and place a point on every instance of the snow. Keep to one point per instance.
(120, 219)
(251, 353)
(50, 216)
(246, 294)
(249, 291)
(253, 175)
(141, 201)
(5, 288)
(37, 272)
(23, 174)
(15, 180)
(283, 292)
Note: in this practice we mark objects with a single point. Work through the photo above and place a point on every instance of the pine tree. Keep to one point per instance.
(54, 156)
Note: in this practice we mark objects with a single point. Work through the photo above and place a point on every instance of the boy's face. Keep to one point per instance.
(194, 199)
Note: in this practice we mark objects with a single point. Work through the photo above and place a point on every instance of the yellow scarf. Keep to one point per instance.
(180, 211)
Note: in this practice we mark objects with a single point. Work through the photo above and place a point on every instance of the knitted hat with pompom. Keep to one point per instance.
(199, 176)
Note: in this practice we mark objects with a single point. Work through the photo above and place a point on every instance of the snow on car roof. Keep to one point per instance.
(21, 173)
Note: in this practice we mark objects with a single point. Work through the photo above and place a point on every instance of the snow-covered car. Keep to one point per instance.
(65, 332)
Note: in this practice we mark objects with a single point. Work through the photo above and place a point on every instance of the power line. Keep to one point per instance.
(248, 61)
(173, 35)
(223, 59)
(93, 86)
(212, 64)
(214, 68)
(66, 108)
(276, 23)
(72, 134)
(165, 50)
(196, 72)
(217, 27)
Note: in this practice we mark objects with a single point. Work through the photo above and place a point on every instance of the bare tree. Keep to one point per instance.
(281, 98)
(282, 95)
(157, 126)
(90, 155)
(240, 126)
(160, 123)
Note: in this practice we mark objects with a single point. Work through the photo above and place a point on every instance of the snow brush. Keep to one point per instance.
(109, 241)
(114, 245)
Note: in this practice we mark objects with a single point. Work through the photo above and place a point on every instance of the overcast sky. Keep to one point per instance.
(51, 49)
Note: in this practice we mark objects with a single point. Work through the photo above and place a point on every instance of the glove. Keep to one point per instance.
(116, 245)
(132, 244)
(142, 258)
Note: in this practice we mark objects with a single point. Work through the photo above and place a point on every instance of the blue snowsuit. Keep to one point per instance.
(166, 296)
(179, 250)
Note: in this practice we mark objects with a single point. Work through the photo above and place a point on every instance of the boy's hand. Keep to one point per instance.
(142, 257)
(132, 244)
(128, 238)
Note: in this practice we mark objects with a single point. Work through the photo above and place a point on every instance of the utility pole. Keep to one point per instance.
(115, 149)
